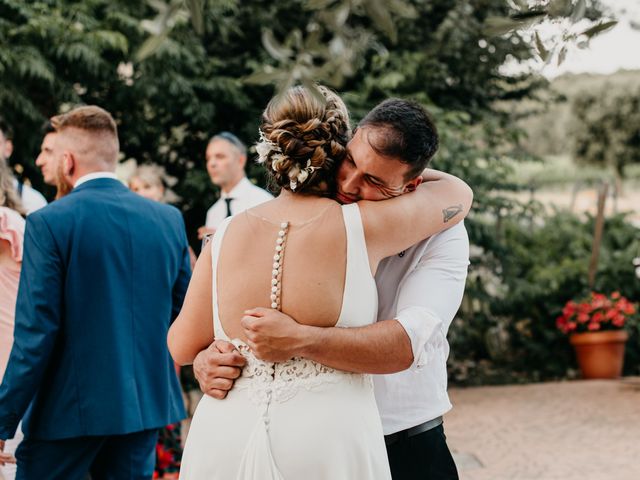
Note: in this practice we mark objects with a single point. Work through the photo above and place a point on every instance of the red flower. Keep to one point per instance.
(584, 307)
(598, 312)
(583, 317)
(569, 309)
(618, 320)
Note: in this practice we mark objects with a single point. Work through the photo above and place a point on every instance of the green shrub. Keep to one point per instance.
(521, 277)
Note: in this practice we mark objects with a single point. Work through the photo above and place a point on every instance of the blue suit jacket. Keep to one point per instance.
(104, 273)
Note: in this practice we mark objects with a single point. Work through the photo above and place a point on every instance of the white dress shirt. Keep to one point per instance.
(32, 199)
(93, 176)
(245, 195)
(422, 289)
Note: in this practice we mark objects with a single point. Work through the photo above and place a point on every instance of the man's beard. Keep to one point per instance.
(63, 186)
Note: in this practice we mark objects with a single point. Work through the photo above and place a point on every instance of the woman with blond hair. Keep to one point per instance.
(152, 182)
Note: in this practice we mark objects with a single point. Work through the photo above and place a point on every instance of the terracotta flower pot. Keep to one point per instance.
(600, 354)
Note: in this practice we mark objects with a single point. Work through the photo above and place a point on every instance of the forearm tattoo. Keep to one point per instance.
(450, 212)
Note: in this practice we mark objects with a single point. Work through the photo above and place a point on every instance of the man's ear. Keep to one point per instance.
(412, 184)
(243, 160)
(68, 165)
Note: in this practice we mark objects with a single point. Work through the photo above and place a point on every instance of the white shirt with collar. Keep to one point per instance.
(32, 199)
(94, 176)
(245, 195)
(422, 289)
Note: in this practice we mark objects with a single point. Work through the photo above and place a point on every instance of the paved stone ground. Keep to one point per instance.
(578, 430)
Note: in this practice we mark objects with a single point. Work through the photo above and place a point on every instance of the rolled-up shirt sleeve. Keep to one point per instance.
(430, 296)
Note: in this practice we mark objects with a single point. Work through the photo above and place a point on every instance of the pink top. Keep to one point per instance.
(12, 235)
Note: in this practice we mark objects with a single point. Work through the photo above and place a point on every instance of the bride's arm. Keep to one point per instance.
(393, 225)
(192, 331)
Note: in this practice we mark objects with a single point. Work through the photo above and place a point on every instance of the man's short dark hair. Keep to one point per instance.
(6, 129)
(47, 128)
(408, 133)
(232, 139)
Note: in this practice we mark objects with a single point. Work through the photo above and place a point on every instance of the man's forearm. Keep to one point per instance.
(383, 347)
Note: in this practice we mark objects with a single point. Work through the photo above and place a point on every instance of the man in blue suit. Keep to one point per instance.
(104, 273)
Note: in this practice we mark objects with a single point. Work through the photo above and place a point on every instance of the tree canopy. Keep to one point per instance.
(607, 128)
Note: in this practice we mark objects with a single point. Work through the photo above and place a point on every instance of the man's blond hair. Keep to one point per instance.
(96, 122)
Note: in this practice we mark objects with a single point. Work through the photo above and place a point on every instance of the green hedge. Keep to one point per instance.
(528, 267)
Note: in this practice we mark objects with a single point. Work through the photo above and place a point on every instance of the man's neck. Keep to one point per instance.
(83, 176)
(226, 189)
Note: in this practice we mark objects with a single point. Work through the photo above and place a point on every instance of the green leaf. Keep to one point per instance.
(318, 4)
(402, 9)
(150, 46)
(112, 40)
(579, 11)
(275, 49)
(530, 14)
(197, 15)
(341, 14)
(562, 55)
(381, 17)
(542, 51)
(264, 77)
(313, 88)
(496, 26)
(599, 28)
(559, 8)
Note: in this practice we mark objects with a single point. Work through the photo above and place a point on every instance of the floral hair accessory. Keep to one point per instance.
(296, 174)
(265, 147)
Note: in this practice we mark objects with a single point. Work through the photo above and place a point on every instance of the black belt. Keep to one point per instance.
(413, 431)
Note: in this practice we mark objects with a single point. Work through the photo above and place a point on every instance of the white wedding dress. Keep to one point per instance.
(297, 419)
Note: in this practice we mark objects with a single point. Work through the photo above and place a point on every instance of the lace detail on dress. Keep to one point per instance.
(278, 382)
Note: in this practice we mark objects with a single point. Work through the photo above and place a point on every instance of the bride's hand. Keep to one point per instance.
(272, 335)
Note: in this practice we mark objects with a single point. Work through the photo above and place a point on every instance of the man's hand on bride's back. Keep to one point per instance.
(217, 368)
(272, 335)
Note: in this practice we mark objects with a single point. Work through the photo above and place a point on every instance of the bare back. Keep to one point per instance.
(316, 265)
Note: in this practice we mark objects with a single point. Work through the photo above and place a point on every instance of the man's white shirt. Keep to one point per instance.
(94, 176)
(422, 289)
(245, 195)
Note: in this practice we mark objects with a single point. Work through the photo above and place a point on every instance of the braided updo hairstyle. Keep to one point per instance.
(306, 140)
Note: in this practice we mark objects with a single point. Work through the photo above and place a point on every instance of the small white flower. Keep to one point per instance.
(294, 172)
(262, 149)
(303, 175)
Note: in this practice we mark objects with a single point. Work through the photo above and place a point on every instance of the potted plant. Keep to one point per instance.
(596, 330)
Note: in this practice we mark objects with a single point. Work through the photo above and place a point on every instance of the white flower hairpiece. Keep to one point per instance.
(265, 146)
(298, 175)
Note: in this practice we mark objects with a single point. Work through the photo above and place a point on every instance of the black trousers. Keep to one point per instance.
(425, 456)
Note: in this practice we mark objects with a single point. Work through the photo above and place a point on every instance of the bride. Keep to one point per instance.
(308, 256)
